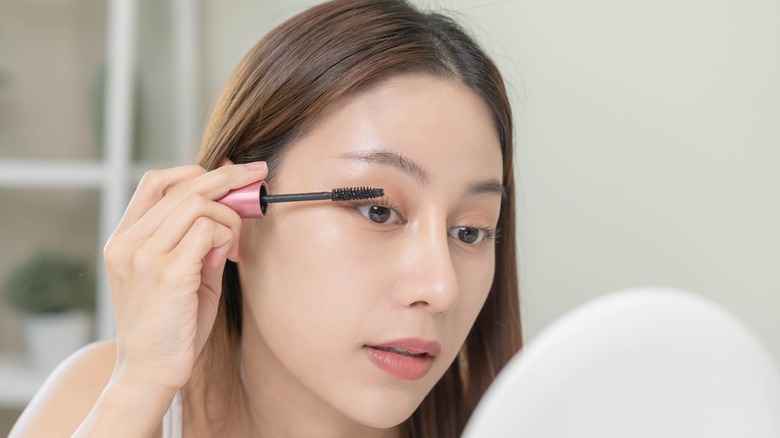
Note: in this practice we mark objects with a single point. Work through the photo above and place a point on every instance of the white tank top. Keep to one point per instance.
(173, 421)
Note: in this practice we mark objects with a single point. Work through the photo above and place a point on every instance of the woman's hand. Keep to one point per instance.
(165, 263)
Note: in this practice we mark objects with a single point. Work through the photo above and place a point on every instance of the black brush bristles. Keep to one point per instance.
(342, 194)
(356, 193)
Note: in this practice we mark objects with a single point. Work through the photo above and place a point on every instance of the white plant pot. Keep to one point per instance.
(53, 337)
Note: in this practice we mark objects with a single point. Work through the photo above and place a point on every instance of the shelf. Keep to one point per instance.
(65, 174)
(115, 172)
(31, 173)
(19, 384)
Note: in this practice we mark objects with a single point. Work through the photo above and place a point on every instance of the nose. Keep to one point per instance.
(428, 275)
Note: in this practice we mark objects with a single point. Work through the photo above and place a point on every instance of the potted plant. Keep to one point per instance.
(56, 294)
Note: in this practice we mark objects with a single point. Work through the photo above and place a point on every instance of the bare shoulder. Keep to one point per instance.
(69, 393)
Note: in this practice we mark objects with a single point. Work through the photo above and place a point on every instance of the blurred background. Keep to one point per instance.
(648, 149)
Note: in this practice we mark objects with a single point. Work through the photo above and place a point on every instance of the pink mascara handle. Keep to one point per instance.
(246, 200)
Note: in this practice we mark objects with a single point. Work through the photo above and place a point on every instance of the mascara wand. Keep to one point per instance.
(349, 194)
(252, 201)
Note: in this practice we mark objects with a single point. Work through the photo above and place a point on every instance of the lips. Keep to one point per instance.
(408, 359)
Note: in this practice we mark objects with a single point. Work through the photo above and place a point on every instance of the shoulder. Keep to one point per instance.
(69, 393)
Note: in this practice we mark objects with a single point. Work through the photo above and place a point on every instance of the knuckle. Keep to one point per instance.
(232, 219)
(116, 258)
(226, 233)
(203, 225)
(223, 236)
(172, 272)
(161, 180)
(140, 261)
(196, 169)
(151, 180)
(193, 202)
(226, 173)
(177, 191)
(113, 253)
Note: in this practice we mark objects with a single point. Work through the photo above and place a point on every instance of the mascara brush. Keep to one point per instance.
(251, 202)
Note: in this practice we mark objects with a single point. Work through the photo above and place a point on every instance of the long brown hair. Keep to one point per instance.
(286, 84)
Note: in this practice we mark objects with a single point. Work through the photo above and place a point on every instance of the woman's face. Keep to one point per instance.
(360, 307)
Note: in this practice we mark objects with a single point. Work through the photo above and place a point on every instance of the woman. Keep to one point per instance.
(384, 317)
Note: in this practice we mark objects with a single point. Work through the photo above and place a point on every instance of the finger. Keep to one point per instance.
(202, 237)
(152, 187)
(212, 185)
(186, 215)
(217, 183)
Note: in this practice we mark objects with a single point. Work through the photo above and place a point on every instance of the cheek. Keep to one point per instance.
(475, 272)
(475, 277)
(318, 286)
(313, 296)
(309, 266)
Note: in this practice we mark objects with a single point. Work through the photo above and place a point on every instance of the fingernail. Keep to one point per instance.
(257, 165)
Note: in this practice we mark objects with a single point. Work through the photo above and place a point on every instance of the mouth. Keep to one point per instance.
(407, 359)
(401, 351)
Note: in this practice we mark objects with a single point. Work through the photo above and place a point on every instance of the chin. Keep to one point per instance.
(387, 420)
(383, 411)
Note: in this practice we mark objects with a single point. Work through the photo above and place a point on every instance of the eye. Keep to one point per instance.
(471, 235)
(379, 214)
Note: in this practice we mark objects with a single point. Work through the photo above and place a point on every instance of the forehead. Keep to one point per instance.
(439, 124)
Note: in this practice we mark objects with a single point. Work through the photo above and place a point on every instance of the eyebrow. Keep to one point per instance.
(414, 170)
(490, 187)
(392, 159)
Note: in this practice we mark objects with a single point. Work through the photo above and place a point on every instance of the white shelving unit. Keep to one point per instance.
(115, 173)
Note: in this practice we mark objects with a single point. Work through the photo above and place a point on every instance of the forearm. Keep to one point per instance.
(136, 409)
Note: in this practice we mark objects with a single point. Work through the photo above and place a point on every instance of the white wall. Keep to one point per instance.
(648, 140)
(648, 151)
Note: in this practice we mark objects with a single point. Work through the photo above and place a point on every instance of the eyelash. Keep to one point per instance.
(491, 234)
(384, 201)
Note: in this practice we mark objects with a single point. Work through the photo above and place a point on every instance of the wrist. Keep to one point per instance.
(155, 379)
(135, 387)
(134, 406)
